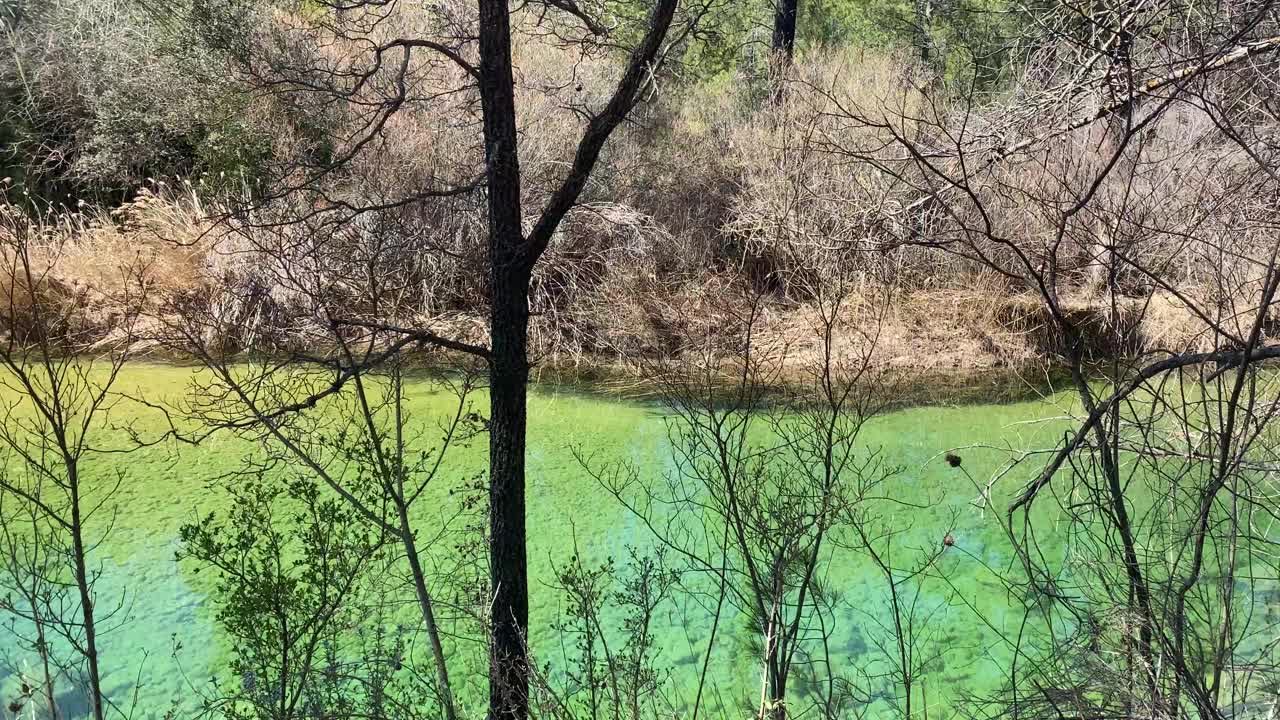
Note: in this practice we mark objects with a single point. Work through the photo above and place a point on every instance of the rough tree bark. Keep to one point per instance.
(512, 257)
(508, 369)
(784, 28)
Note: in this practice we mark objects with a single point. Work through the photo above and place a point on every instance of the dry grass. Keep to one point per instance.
(164, 244)
(706, 200)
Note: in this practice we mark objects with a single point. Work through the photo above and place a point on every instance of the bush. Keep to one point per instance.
(105, 95)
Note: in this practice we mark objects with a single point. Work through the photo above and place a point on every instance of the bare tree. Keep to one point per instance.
(768, 484)
(340, 418)
(58, 374)
(375, 83)
(609, 669)
(27, 569)
(512, 255)
(785, 14)
(1159, 476)
(309, 589)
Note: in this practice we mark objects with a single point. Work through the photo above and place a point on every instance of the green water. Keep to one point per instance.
(168, 641)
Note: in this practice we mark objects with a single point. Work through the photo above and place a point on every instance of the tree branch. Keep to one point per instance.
(1226, 359)
(1230, 57)
(639, 68)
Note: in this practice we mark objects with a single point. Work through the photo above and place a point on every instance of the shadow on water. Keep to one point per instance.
(73, 703)
(906, 388)
(139, 659)
(70, 698)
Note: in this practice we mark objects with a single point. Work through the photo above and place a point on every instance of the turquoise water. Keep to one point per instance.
(165, 637)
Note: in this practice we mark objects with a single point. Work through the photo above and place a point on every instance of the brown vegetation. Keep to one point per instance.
(706, 196)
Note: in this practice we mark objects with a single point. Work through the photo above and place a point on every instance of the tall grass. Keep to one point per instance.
(707, 196)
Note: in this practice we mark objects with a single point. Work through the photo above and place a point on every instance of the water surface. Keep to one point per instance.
(165, 635)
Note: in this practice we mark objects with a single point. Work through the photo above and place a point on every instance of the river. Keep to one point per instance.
(163, 633)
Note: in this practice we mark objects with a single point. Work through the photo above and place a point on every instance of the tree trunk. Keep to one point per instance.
(784, 44)
(784, 29)
(511, 260)
(778, 692)
(508, 372)
(86, 597)
(508, 571)
(427, 608)
(924, 32)
(42, 644)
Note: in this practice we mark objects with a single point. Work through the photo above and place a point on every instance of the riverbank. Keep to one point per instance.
(163, 260)
(910, 387)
